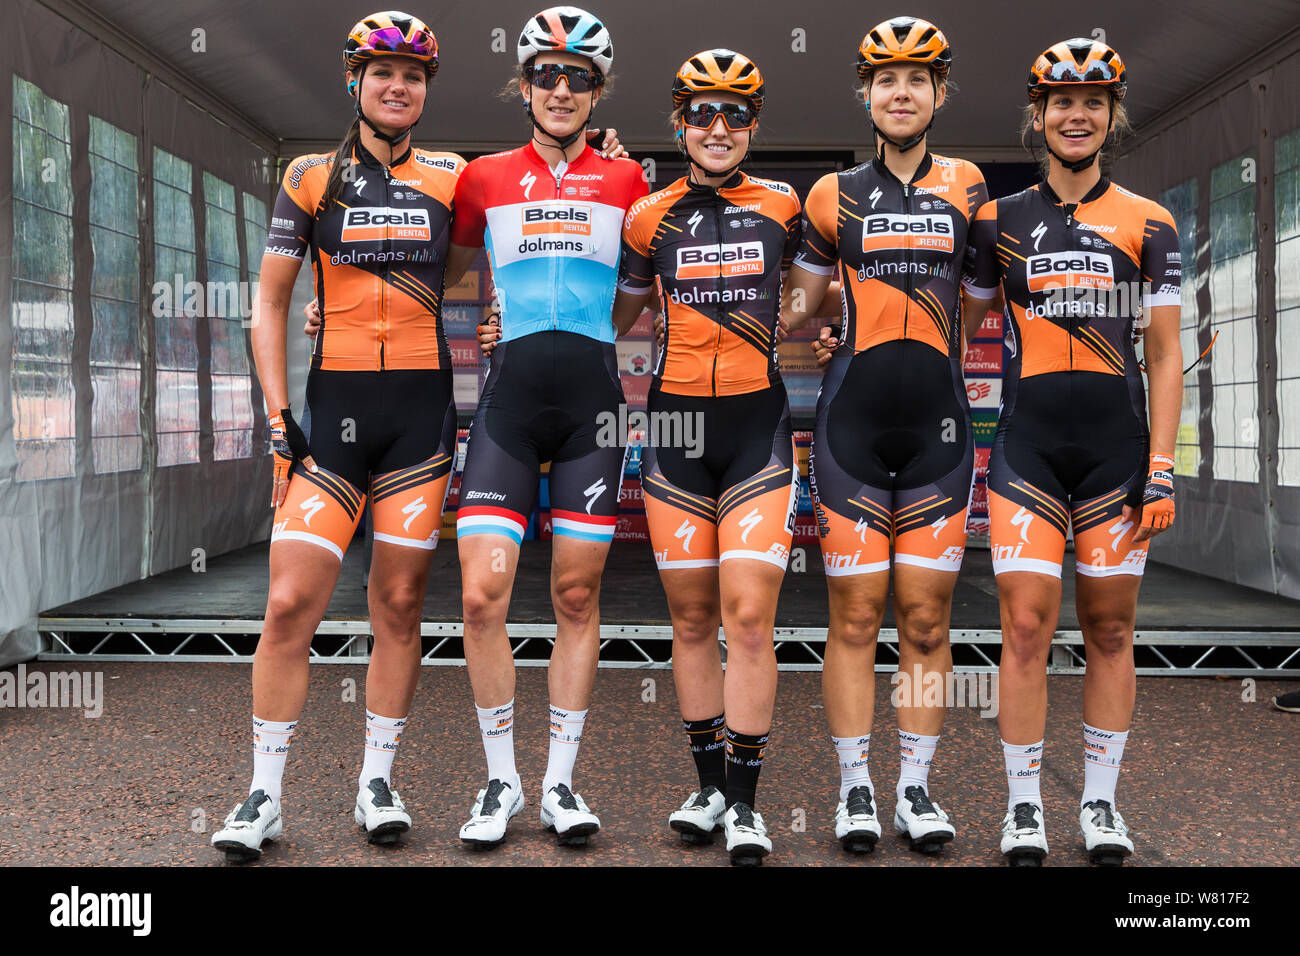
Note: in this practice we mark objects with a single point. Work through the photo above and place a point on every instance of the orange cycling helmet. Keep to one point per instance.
(1081, 60)
(390, 33)
(1076, 62)
(719, 71)
(904, 40)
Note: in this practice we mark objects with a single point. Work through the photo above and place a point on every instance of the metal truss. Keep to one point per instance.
(1266, 654)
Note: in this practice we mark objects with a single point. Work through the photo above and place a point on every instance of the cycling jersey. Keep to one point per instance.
(1072, 440)
(898, 245)
(719, 255)
(378, 253)
(552, 236)
(893, 452)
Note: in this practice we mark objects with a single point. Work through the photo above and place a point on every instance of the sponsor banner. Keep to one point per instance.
(465, 385)
(636, 389)
(633, 468)
(466, 290)
(801, 388)
(978, 527)
(984, 392)
(643, 327)
(797, 357)
(990, 328)
(979, 500)
(630, 497)
(633, 356)
(805, 506)
(805, 533)
(632, 527)
(985, 424)
(981, 462)
(465, 352)
(461, 320)
(983, 358)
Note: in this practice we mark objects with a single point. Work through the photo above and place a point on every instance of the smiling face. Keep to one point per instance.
(561, 112)
(1075, 120)
(902, 100)
(392, 92)
(717, 148)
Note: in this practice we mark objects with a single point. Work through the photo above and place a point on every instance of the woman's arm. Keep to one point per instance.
(627, 307)
(1164, 361)
(802, 296)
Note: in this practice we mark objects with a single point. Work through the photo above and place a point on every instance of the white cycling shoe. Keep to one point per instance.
(495, 805)
(856, 826)
(700, 816)
(747, 841)
(566, 813)
(922, 821)
(381, 811)
(248, 826)
(1105, 834)
(1024, 837)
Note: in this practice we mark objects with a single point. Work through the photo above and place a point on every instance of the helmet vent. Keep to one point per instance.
(724, 62)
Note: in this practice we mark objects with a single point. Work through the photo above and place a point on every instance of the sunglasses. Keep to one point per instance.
(738, 117)
(579, 78)
(391, 39)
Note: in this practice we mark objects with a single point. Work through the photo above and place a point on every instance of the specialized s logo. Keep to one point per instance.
(901, 231)
(413, 511)
(371, 223)
(727, 259)
(594, 492)
(875, 196)
(527, 183)
(563, 218)
(1040, 230)
(310, 506)
(749, 522)
(696, 218)
(1069, 270)
(686, 531)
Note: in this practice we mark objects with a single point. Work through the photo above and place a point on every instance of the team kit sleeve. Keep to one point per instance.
(470, 218)
(793, 234)
(635, 263)
(981, 268)
(818, 247)
(1162, 267)
(294, 213)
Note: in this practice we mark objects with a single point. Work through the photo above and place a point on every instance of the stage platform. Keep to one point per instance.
(1186, 623)
(1208, 778)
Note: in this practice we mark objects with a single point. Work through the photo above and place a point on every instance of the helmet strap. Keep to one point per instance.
(705, 171)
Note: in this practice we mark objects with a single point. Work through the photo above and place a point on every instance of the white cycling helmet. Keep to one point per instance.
(567, 30)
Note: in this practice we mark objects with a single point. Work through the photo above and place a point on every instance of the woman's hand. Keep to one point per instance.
(610, 147)
(826, 343)
(489, 333)
(312, 311)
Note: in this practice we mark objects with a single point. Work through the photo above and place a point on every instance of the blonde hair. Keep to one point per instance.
(1119, 127)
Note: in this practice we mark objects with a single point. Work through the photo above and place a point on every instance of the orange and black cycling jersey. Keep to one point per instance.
(718, 255)
(899, 247)
(1075, 275)
(378, 253)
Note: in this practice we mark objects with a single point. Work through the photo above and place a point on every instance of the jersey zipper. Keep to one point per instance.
(1068, 209)
(717, 284)
(388, 265)
(555, 260)
(908, 276)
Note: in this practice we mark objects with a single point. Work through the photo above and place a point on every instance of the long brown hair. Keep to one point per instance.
(342, 159)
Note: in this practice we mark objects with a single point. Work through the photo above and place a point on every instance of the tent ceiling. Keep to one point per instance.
(278, 63)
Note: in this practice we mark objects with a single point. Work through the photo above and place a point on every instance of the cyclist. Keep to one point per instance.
(719, 498)
(893, 451)
(1078, 259)
(550, 213)
(375, 216)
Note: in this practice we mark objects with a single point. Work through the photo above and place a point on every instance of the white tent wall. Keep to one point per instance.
(80, 528)
(1237, 481)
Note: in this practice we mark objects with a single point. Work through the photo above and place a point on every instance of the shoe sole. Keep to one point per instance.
(576, 835)
(1026, 856)
(1285, 710)
(386, 833)
(930, 843)
(747, 854)
(692, 834)
(237, 852)
(1108, 854)
(860, 842)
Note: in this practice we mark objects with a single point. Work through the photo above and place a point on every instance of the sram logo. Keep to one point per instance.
(563, 218)
(902, 231)
(362, 223)
(726, 259)
(1069, 270)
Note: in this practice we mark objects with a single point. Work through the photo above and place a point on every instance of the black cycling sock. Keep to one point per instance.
(744, 761)
(707, 738)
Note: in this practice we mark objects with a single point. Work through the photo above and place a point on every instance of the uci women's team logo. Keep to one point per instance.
(882, 231)
(726, 260)
(556, 218)
(368, 223)
(1069, 270)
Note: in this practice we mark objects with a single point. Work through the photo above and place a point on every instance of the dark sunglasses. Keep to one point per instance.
(738, 117)
(579, 78)
(391, 39)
